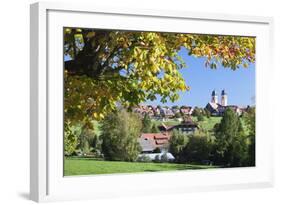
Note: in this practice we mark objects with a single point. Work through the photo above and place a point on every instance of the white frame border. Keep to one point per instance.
(38, 83)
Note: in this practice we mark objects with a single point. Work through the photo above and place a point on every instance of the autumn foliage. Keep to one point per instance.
(109, 68)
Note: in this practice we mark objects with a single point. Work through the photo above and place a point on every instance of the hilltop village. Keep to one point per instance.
(214, 107)
(184, 116)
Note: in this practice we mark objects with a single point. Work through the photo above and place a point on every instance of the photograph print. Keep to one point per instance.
(145, 101)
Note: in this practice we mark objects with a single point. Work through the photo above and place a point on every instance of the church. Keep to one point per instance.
(216, 108)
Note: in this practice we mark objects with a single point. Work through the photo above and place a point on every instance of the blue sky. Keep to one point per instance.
(239, 84)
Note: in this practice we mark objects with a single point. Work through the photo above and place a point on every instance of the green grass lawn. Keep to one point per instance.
(87, 166)
(208, 123)
(169, 122)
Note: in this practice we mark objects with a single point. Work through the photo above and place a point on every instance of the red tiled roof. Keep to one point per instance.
(158, 139)
(161, 142)
(155, 135)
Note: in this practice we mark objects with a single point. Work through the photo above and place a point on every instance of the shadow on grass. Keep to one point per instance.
(84, 158)
(152, 170)
(185, 166)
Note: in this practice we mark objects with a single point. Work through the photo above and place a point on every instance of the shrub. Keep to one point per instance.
(178, 115)
(155, 129)
(95, 142)
(70, 140)
(157, 150)
(196, 112)
(200, 117)
(178, 141)
(164, 158)
(157, 158)
(144, 158)
(198, 148)
(207, 113)
(146, 124)
(194, 147)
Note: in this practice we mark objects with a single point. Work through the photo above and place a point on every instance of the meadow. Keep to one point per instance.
(89, 166)
(207, 124)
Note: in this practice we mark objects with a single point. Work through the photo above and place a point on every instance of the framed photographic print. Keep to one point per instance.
(132, 102)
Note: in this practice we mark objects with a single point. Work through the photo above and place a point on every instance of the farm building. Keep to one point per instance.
(187, 126)
(150, 141)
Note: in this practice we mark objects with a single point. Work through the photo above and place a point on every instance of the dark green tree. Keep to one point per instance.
(207, 113)
(146, 124)
(154, 128)
(198, 148)
(250, 120)
(178, 115)
(231, 145)
(200, 117)
(178, 142)
(196, 112)
(120, 133)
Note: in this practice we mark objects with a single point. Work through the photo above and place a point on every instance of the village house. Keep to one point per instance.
(187, 126)
(186, 110)
(150, 142)
(144, 109)
(164, 113)
(167, 112)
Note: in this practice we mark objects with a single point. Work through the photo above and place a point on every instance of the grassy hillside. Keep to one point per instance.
(86, 166)
(208, 123)
(169, 122)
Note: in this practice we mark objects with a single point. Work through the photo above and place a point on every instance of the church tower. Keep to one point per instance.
(214, 97)
(223, 98)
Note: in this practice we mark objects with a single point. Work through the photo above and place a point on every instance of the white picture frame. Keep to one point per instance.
(46, 151)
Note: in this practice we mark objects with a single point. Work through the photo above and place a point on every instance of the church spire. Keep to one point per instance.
(223, 98)
(214, 98)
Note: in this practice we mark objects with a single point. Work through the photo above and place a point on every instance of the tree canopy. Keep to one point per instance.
(107, 67)
(120, 133)
(231, 142)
